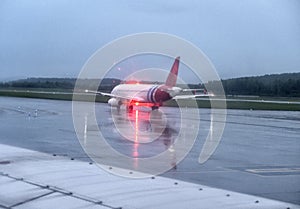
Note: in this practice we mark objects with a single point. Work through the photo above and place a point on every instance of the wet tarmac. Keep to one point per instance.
(258, 154)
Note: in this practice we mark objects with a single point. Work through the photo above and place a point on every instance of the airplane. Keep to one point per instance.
(150, 95)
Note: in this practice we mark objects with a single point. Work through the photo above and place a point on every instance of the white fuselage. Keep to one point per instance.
(145, 92)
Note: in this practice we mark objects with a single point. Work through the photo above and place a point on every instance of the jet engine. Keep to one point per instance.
(114, 102)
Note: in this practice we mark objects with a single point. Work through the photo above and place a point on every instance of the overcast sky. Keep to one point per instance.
(54, 38)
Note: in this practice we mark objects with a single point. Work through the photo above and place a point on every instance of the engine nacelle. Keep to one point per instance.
(114, 102)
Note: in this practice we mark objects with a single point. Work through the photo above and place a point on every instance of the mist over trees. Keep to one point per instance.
(106, 84)
(281, 85)
(51, 83)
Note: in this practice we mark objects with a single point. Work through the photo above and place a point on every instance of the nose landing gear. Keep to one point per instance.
(130, 108)
(154, 107)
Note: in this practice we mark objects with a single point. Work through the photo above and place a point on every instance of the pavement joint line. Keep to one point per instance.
(54, 189)
(251, 124)
(31, 199)
(5, 207)
(265, 174)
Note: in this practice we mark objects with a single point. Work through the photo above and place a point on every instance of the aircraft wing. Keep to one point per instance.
(129, 98)
(24, 180)
(192, 96)
(193, 89)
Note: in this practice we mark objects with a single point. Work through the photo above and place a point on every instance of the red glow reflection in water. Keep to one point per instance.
(136, 139)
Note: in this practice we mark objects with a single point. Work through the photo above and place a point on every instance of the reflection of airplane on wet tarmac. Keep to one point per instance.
(148, 94)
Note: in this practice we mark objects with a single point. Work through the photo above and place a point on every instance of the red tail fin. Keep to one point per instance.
(172, 78)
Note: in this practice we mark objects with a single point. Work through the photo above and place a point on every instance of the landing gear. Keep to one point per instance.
(154, 107)
(130, 108)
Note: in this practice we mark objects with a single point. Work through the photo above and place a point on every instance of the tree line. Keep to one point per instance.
(282, 85)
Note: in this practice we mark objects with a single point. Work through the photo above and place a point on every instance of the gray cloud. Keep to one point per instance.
(55, 38)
